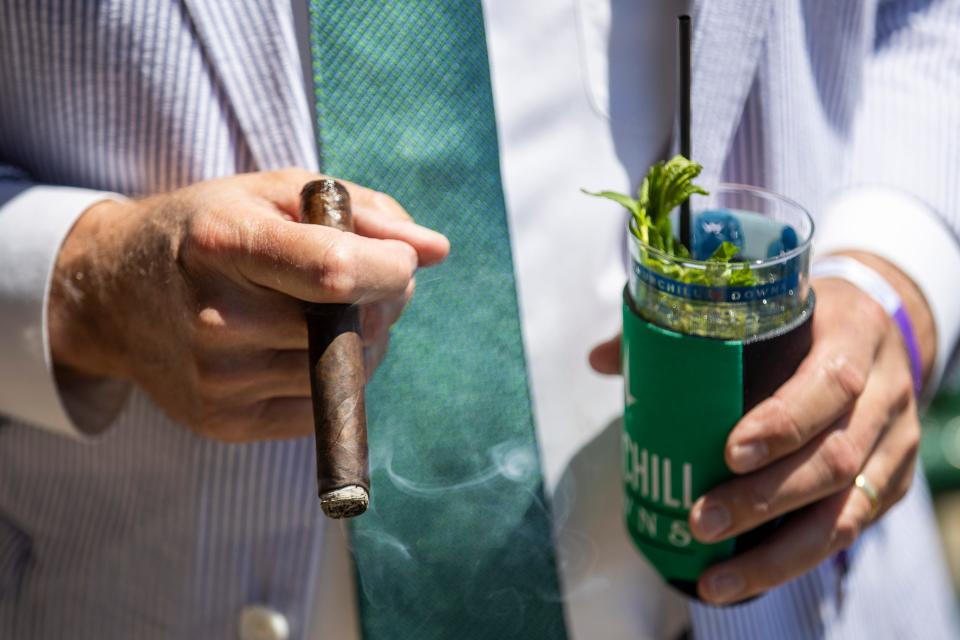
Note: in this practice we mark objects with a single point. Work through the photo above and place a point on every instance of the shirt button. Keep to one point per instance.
(263, 623)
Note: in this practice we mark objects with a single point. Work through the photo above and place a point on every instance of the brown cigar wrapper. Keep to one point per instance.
(337, 375)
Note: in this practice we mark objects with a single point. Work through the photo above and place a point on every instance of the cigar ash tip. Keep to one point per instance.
(346, 502)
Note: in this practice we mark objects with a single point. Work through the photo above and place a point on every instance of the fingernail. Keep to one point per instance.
(725, 586)
(713, 521)
(748, 456)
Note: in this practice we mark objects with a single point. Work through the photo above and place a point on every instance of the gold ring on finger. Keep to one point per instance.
(870, 490)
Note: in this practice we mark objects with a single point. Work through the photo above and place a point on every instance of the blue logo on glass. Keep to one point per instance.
(706, 293)
(713, 228)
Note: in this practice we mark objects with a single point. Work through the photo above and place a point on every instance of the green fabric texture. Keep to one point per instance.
(684, 394)
(457, 542)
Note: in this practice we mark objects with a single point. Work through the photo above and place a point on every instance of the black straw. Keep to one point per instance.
(685, 46)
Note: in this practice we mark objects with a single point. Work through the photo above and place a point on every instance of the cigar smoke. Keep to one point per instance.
(507, 463)
(510, 460)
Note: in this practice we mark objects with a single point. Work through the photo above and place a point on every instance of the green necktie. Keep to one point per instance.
(457, 542)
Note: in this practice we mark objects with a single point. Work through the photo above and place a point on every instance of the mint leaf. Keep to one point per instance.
(666, 186)
(627, 202)
(724, 253)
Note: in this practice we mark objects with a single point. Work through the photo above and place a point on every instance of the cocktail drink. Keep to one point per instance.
(708, 334)
(762, 290)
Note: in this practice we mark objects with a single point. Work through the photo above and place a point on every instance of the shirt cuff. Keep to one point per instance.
(33, 226)
(906, 232)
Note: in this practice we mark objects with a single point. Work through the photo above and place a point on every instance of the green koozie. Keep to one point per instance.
(683, 396)
(698, 353)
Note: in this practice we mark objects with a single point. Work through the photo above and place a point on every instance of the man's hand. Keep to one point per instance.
(849, 409)
(196, 296)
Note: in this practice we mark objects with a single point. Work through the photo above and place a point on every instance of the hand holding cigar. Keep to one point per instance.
(230, 309)
(336, 375)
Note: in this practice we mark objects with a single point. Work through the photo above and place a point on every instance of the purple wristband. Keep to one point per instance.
(910, 342)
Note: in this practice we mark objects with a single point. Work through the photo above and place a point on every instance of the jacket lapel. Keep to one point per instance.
(252, 49)
(728, 39)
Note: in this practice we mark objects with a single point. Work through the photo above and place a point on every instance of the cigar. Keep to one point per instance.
(336, 374)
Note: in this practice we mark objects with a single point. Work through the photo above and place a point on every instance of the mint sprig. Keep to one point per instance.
(666, 186)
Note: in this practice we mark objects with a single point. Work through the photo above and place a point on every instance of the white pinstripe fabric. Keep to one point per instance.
(151, 532)
(807, 129)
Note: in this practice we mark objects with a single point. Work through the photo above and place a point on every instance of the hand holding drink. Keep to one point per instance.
(722, 316)
(848, 409)
(709, 332)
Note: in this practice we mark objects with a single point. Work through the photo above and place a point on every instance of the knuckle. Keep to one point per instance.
(845, 375)
(386, 202)
(214, 381)
(292, 174)
(209, 390)
(221, 426)
(902, 392)
(871, 314)
(761, 500)
(841, 458)
(208, 232)
(912, 443)
(261, 237)
(783, 425)
(338, 274)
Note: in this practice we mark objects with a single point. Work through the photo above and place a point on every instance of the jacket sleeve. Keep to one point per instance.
(34, 221)
(903, 196)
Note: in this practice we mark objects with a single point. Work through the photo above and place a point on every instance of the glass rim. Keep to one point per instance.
(758, 264)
